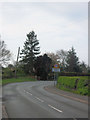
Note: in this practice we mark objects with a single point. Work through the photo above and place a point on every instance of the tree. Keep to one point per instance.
(72, 61)
(43, 66)
(83, 67)
(5, 54)
(62, 56)
(29, 52)
(88, 69)
(54, 57)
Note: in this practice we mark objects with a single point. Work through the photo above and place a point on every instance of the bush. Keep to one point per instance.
(7, 73)
(68, 82)
(77, 84)
(73, 74)
(83, 81)
(83, 91)
(10, 73)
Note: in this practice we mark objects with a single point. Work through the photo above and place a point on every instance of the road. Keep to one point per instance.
(31, 100)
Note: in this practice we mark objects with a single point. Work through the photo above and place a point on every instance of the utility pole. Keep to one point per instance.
(17, 62)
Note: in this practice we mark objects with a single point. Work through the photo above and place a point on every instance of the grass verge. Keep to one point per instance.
(77, 84)
(14, 80)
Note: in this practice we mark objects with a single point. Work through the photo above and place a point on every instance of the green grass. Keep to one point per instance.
(14, 80)
(69, 83)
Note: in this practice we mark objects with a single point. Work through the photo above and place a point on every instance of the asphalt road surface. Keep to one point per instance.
(31, 100)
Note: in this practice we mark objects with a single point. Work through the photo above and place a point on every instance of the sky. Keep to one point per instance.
(58, 25)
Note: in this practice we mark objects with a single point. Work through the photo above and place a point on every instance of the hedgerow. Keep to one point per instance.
(76, 84)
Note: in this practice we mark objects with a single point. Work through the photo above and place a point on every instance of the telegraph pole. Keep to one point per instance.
(17, 62)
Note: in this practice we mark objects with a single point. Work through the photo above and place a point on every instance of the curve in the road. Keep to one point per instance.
(30, 100)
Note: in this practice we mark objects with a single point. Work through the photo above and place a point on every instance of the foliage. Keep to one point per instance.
(67, 81)
(72, 61)
(54, 57)
(9, 72)
(83, 81)
(5, 54)
(68, 61)
(83, 91)
(88, 68)
(73, 74)
(20, 79)
(42, 66)
(62, 56)
(83, 67)
(77, 84)
(29, 52)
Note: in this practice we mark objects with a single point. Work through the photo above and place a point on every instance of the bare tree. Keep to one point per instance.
(54, 57)
(5, 54)
(62, 56)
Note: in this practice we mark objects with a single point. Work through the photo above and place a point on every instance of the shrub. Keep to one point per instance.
(73, 74)
(83, 81)
(75, 84)
(68, 82)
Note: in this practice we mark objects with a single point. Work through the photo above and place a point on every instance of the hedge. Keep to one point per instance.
(73, 74)
(75, 84)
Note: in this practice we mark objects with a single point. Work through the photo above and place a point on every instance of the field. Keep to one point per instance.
(77, 84)
(20, 79)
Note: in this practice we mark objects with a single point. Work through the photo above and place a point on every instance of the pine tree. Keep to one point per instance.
(72, 61)
(29, 52)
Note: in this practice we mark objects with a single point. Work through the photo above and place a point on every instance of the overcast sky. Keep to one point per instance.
(57, 25)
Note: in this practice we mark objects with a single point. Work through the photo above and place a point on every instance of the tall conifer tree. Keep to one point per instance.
(30, 51)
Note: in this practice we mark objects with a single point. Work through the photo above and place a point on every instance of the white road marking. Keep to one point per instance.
(27, 92)
(39, 99)
(55, 108)
(35, 97)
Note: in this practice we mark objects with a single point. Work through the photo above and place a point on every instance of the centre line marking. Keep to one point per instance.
(30, 93)
(39, 99)
(27, 92)
(55, 108)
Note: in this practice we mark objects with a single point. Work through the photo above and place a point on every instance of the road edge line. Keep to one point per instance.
(77, 99)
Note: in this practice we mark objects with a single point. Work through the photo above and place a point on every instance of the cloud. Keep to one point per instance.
(44, 1)
(58, 25)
